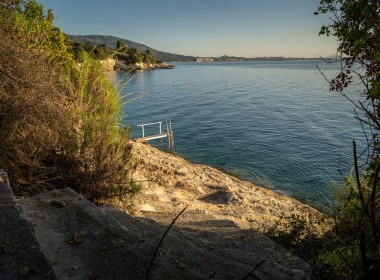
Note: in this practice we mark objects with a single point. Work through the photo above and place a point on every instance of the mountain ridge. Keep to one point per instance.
(110, 42)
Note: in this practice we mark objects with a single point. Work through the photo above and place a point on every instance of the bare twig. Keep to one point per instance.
(12, 78)
(366, 137)
(253, 271)
(159, 243)
(371, 215)
(358, 179)
(372, 201)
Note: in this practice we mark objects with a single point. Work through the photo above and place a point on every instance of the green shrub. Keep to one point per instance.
(101, 144)
(60, 122)
(343, 261)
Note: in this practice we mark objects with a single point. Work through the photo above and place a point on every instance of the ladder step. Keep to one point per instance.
(162, 134)
(152, 137)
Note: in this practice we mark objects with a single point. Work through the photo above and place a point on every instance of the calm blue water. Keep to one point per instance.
(272, 123)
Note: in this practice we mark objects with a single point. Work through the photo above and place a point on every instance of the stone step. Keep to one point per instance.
(207, 226)
(222, 241)
(21, 256)
(194, 257)
(84, 243)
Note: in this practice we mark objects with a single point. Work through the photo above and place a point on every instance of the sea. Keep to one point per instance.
(275, 124)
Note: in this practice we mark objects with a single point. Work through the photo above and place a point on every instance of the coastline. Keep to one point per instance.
(111, 65)
(170, 183)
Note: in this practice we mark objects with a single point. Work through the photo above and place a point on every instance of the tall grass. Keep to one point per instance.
(100, 142)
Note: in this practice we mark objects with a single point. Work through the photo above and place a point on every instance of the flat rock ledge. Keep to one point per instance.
(83, 241)
(68, 237)
(169, 183)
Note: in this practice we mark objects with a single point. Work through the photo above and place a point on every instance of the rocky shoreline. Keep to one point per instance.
(59, 234)
(170, 183)
(112, 64)
(141, 66)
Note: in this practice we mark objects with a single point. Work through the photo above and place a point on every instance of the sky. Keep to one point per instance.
(249, 28)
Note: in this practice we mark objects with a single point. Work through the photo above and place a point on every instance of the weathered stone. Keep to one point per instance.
(84, 242)
(20, 254)
(108, 64)
(120, 65)
(204, 187)
(58, 202)
(217, 237)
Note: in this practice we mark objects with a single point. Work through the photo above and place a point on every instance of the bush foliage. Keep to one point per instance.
(60, 122)
(352, 249)
(101, 52)
(355, 24)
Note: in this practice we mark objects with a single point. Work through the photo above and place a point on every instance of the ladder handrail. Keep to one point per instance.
(145, 124)
(168, 133)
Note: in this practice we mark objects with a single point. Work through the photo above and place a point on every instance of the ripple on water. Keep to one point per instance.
(274, 124)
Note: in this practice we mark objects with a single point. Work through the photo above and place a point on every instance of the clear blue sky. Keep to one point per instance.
(247, 28)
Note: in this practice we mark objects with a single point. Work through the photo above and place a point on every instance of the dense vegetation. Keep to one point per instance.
(101, 52)
(355, 252)
(352, 249)
(111, 42)
(60, 123)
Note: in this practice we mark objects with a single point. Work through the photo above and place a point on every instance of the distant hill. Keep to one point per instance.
(110, 42)
(226, 58)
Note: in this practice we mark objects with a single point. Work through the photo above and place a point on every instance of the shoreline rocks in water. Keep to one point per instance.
(169, 183)
(112, 64)
(141, 66)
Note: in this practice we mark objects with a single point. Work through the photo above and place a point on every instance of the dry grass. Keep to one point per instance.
(59, 130)
(34, 105)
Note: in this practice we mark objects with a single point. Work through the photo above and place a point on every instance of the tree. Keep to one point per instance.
(34, 27)
(356, 25)
(134, 55)
(148, 57)
(77, 50)
(34, 11)
(121, 46)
